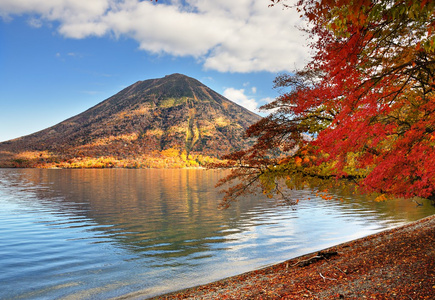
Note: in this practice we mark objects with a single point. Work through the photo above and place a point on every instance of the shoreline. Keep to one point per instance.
(398, 263)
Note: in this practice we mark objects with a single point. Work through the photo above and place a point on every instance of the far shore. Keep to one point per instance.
(394, 264)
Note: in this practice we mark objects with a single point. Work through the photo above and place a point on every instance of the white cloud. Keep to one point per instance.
(74, 54)
(36, 23)
(267, 100)
(239, 97)
(224, 35)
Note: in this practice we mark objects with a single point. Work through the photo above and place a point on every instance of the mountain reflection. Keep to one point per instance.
(173, 213)
(166, 213)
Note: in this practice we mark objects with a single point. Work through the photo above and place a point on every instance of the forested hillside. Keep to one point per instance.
(174, 121)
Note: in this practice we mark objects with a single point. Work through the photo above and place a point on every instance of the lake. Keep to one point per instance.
(101, 234)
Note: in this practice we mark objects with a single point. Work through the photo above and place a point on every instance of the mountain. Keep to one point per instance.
(176, 112)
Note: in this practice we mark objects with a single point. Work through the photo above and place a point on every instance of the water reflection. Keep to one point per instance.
(161, 212)
(105, 233)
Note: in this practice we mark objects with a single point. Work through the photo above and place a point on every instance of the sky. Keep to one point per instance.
(61, 57)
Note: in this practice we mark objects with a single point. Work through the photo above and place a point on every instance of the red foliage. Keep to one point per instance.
(369, 91)
(379, 80)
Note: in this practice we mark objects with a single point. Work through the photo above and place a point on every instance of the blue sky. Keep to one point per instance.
(61, 57)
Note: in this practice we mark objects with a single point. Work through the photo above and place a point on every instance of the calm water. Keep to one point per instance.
(99, 234)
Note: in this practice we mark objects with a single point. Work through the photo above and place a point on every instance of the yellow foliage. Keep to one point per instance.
(171, 152)
(381, 198)
(79, 159)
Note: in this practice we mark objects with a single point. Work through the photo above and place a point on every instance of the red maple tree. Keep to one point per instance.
(363, 108)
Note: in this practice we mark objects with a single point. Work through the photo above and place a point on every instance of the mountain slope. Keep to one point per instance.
(174, 112)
